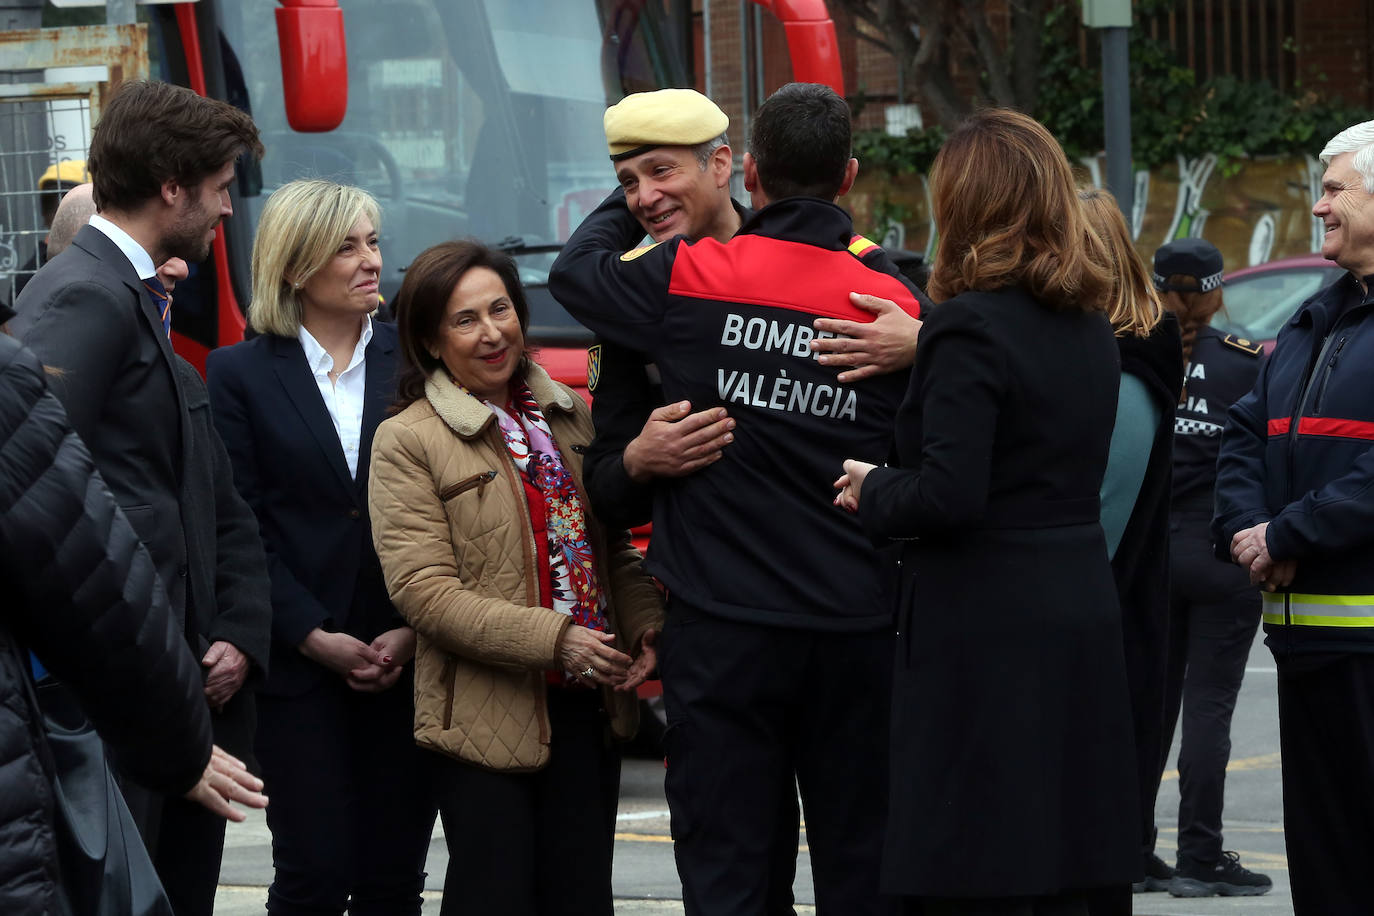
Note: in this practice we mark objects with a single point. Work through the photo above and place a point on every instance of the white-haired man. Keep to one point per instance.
(1295, 505)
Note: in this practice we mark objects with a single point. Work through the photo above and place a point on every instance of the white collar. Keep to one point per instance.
(142, 261)
(318, 358)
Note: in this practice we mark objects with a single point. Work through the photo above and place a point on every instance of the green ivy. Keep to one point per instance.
(1171, 112)
(912, 154)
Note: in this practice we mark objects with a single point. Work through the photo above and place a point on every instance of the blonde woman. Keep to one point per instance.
(297, 407)
(1135, 502)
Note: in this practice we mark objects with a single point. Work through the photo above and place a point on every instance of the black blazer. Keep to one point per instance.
(289, 466)
(87, 315)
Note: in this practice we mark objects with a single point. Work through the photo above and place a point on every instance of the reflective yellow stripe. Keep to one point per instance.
(1319, 610)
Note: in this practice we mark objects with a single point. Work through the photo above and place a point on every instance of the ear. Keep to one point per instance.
(171, 192)
(432, 349)
(751, 173)
(851, 171)
(721, 164)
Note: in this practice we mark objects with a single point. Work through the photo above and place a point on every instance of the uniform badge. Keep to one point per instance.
(593, 366)
(636, 252)
(1240, 343)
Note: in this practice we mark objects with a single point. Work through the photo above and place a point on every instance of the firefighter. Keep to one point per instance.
(776, 658)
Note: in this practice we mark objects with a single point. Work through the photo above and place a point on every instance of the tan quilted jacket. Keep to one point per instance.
(451, 525)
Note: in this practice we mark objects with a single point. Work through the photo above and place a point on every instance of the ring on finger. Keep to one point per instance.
(589, 671)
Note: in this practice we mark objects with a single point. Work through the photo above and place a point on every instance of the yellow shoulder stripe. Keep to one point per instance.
(636, 252)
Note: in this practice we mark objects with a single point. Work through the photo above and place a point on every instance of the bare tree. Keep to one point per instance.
(931, 40)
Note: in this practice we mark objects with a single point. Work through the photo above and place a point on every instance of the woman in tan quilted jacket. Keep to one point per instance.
(534, 625)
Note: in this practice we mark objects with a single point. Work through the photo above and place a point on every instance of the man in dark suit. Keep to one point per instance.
(162, 159)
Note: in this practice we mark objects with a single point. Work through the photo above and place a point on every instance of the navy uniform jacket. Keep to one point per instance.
(755, 536)
(1222, 369)
(625, 389)
(1298, 452)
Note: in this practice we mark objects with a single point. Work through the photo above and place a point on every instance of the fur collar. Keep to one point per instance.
(468, 416)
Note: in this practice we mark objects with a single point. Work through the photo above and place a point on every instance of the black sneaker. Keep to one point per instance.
(1227, 878)
(1157, 875)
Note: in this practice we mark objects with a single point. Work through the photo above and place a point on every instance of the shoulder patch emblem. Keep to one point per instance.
(636, 252)
(1240, 343)
(860, 246)
(593, 366)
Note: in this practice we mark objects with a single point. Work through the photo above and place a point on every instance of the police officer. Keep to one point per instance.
(1214, 610)
(776, 658)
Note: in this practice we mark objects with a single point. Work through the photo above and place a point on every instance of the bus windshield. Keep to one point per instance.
(469, 117)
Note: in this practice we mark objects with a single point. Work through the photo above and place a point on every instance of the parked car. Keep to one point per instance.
(1260, 299)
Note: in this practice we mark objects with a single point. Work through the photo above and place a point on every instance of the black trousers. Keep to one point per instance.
(1326, 733)
(754, 711)
(350, 813)
(534, 844)
(1214, 612)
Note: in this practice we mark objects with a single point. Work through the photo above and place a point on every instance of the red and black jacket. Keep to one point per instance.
(754, 536)
(1298, 452)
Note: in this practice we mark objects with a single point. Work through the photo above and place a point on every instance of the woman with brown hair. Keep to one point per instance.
(1135, 507)
(1013, 776)
(527, 611)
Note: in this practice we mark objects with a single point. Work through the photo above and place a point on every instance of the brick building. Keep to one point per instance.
(1324, 45)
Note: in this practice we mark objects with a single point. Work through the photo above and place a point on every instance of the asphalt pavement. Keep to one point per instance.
(645, 880)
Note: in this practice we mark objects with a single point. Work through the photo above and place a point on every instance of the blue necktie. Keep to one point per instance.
(161, 301)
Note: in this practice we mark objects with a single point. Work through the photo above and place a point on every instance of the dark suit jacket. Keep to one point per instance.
(87, 315)
(230, 595)
(289, 466)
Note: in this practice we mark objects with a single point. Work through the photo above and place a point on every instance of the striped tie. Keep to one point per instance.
(161, 301)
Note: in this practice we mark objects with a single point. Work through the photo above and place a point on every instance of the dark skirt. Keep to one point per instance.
(1012, 765)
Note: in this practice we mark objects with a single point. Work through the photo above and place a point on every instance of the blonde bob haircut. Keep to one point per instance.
(1007, 210)
(1133, 307)
(301, 228)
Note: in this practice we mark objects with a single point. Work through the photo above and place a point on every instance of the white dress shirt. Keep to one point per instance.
(140, 259)
(342, 398)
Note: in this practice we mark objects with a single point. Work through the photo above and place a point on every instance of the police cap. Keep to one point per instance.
(1196, 258)
(667, 117)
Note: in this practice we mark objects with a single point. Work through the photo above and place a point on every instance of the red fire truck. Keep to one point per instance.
(463, 117)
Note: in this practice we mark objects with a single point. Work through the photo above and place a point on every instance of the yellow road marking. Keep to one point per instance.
(1262, 762)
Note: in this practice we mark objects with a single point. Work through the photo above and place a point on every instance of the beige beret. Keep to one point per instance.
(667, 117)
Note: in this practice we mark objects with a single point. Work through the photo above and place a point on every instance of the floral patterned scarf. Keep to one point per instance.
(576, 589)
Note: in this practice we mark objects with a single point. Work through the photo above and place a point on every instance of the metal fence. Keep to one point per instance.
(40, 127)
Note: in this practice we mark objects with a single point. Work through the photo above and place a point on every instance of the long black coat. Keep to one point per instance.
(81, 592)
(1013, 768)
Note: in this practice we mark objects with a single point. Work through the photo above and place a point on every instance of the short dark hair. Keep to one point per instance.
(800, 140)
(151, 132)
(423, 298)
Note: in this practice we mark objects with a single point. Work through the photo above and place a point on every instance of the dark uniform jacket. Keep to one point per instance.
(81, 592)
(625, 389)
(1222, 370)
(1298, 452)
(755, 536)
